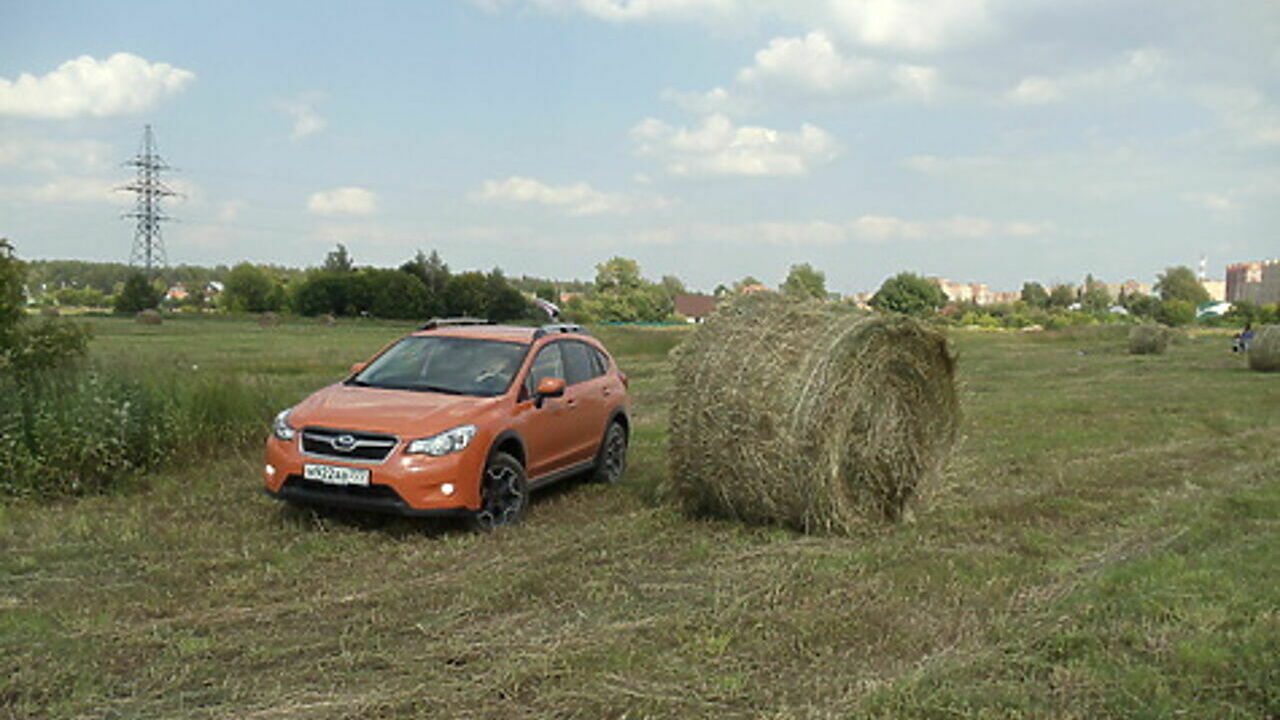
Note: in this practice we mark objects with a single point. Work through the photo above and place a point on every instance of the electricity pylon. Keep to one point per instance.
(148, 245)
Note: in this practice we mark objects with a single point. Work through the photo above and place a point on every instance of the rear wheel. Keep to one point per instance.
(504, 493)
(611, 463)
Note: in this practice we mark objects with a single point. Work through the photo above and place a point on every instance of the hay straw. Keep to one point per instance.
(1264, 349)
(1148, 339)
(148, 317)
(803, 415)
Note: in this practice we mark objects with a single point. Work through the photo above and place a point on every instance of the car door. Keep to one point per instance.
(588, 400)
(547, 433)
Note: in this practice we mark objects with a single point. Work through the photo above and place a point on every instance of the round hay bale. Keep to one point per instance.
(1148, 339)
(268, 319)
(328, 320)
(803, 415)
(49, 312)
(1264, 349)
(148, 317)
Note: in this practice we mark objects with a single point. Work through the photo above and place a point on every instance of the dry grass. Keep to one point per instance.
(1264, 349)
(820, 420)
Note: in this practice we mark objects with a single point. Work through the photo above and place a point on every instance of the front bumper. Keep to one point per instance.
(410, 485)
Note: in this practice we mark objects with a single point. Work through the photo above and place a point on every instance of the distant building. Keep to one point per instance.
(694, 307)
(976, 293)
(1217, 289)
(1128, 288)
(176, 292)
(1255, 282)
(755, 288)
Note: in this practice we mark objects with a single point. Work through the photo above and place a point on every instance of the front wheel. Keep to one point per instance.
(504, 493)
(611, 463)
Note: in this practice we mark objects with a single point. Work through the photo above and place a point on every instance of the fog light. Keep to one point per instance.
(271, 470)
(447, 488)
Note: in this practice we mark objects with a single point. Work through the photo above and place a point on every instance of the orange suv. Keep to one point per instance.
(461, 418)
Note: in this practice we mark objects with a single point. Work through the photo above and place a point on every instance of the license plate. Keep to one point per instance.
(335, 474)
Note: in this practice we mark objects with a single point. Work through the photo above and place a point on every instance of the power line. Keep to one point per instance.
(148, 245)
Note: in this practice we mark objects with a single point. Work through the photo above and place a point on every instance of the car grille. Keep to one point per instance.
(347, 445)
(316, 489)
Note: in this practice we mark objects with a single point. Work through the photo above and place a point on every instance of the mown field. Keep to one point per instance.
(1105, 543)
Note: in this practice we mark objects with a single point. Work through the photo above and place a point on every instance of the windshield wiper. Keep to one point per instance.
(438, 389)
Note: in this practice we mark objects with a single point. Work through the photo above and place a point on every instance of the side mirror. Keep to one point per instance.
(357, 367)
(548, 388)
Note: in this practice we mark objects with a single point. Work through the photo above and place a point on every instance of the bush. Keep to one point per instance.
(138, 295)
(1148, 339)
(74, 431)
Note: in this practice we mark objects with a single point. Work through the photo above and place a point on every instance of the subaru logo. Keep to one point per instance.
(345, 443)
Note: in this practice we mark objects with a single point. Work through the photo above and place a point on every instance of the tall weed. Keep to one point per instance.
(74, 431)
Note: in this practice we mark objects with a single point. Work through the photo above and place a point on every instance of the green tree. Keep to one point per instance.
(12, 279)
(1176, 312)
(503, 302)
(249, 288)
(805, 282)
(385, 293)
(547, 291)
(321, 293)
(674, 285)
(1143, 306)
(1062, 296)
(618, 273)
(1180, 283)
(138, 294)
(338, 260)
(466, 294)
(1034, 295)
(1094, 295)
(909, 294)
(434, 274)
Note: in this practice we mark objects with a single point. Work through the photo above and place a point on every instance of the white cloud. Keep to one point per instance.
(1136, 66)
(53, 156)
(122, 84)
(306, 120)
(343, 201)
(578, 199)
(911, 25)
(718, 147)
(809, 67)
(69, 189)
(1245, 112)
(636, 10)
(918, 25)
(230, 210)
(872, 229)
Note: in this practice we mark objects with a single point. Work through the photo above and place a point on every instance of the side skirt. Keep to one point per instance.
(561, 474)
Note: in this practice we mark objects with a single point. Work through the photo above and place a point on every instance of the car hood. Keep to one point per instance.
(405, 413)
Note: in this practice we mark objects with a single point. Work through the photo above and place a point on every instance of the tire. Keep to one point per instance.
(504, 494)
(611, 461)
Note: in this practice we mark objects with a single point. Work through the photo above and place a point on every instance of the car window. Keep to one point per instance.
(579, 365)
(547, 364)
(459, 366)
(601, 362)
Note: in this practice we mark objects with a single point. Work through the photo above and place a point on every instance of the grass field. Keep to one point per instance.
(1105, 543)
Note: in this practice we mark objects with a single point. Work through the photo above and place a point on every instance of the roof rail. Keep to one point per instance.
(434, 323)
(559, 328)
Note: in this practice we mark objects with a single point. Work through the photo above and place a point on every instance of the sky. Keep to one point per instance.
(991, 141)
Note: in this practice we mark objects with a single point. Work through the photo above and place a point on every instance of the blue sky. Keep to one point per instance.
(982, 140)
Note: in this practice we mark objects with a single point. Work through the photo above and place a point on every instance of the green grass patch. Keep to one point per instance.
(1103, 545)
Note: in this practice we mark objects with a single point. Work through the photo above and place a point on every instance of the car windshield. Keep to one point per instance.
(452, 365)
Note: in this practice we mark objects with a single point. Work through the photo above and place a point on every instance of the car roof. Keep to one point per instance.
(507, 333)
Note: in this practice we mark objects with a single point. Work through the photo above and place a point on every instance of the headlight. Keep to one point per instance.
(281, 428)
(449, 441)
